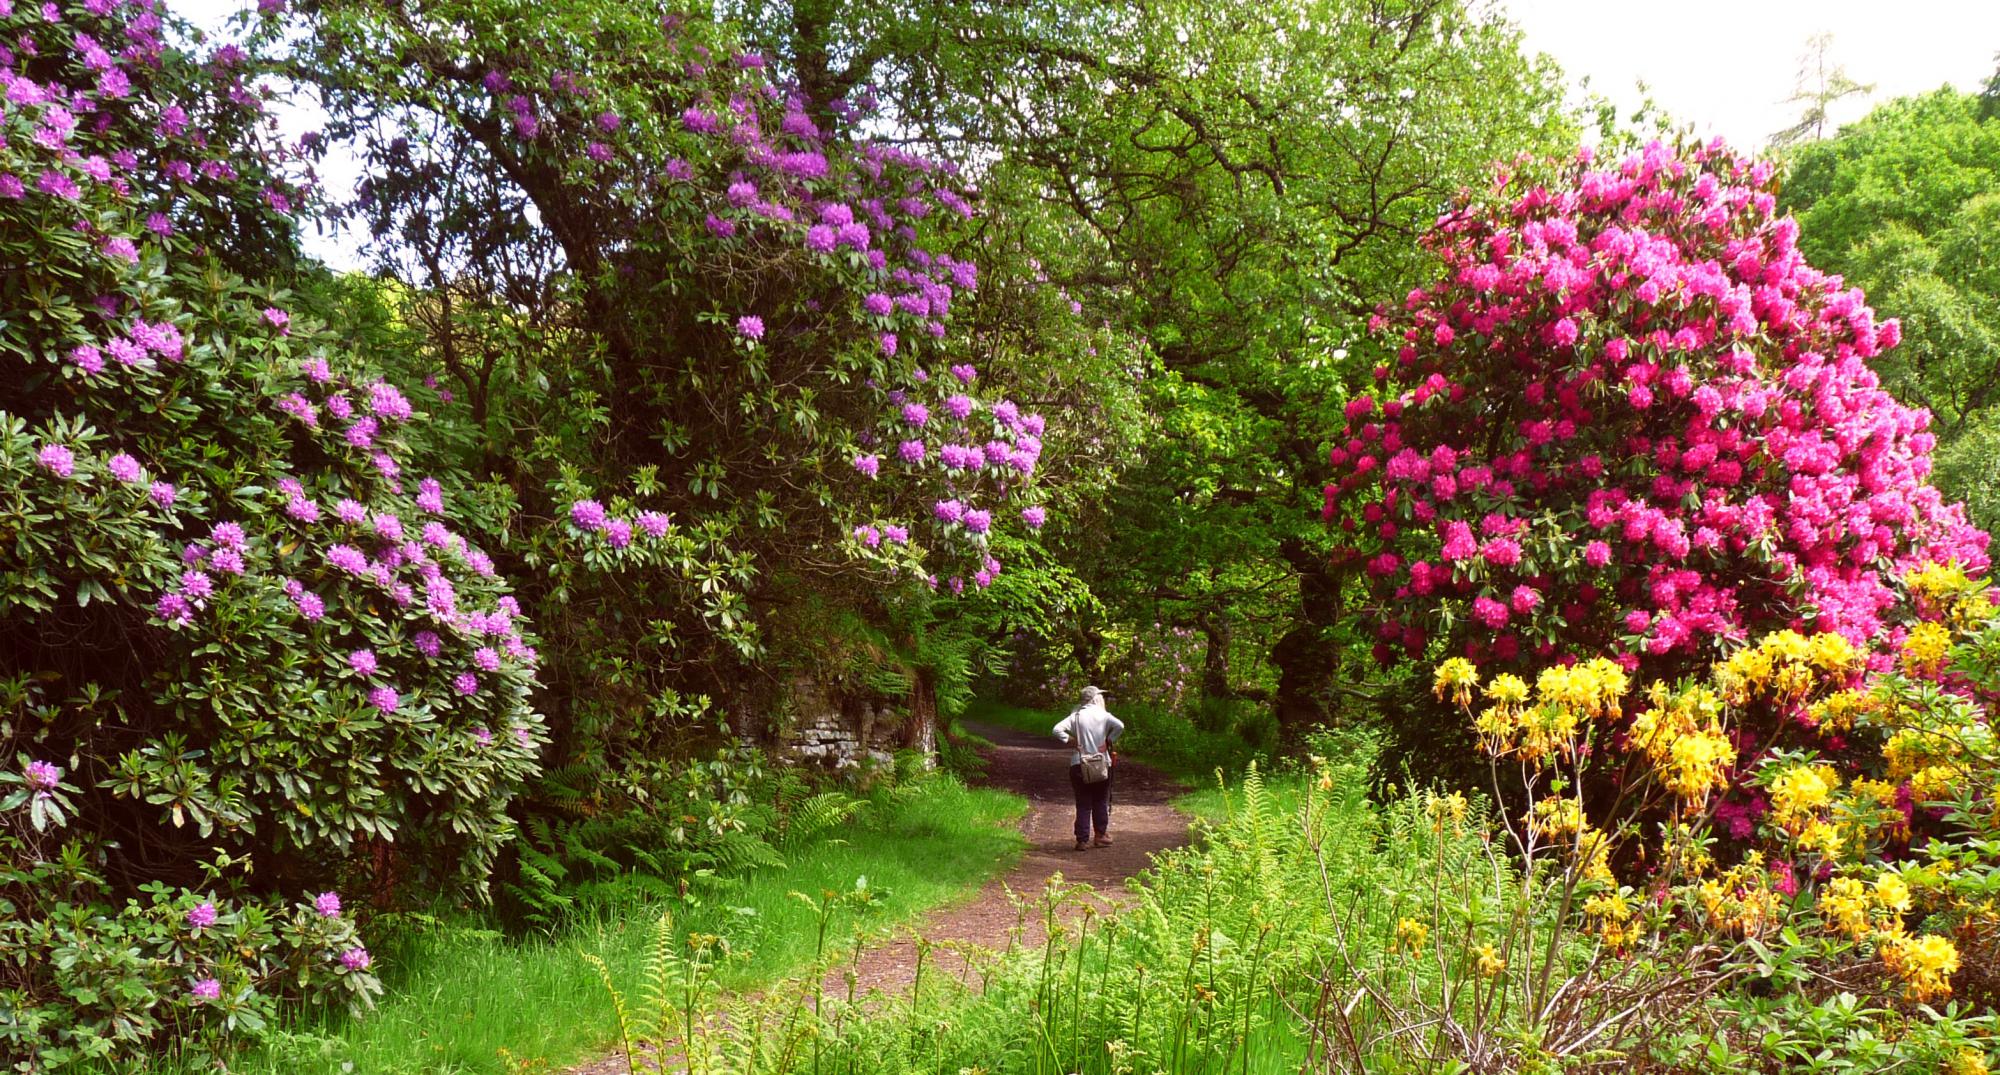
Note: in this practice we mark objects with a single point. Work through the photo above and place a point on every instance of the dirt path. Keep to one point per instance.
(1036, 768)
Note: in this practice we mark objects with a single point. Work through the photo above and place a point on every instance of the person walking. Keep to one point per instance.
(1091, 729)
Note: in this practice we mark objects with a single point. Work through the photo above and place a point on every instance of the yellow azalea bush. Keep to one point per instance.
(1837, 799)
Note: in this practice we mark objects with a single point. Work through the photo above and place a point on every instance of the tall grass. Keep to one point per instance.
(1311, 928)
(464, 999)
(1197, 976)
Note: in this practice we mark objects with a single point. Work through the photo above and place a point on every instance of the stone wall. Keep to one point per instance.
(844, 734)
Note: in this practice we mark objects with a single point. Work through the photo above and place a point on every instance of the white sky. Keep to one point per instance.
(1726, 66)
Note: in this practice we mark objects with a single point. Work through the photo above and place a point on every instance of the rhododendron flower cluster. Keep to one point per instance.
(1630, 417)
(757, 169)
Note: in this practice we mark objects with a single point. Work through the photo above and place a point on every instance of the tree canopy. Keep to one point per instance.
(1906, 204)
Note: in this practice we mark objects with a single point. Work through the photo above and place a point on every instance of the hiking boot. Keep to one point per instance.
(1083, 845)
(1101, 841)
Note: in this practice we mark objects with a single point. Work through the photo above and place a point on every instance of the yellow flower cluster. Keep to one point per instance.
(1933, 783)
(1966, 1062)
(1411, 935)
(1593, 688)
(1925, 964)
(1869, 808)
(1456, 678)
(1892, 894)
(1837, 711)
(1609, 915)
(1800, 798)
(1545, 721)
(1799, 793)
(1740, 901)
(1824, 837)
(1442, 808)
(1681, 734)
(1879, 792)
(1925, 650)
(1936, 760)
(1785, 667)
(1559, 819)
(1846, 905)
(1936, 585)
(1556, 816)
(1684, 848)
(1490, 963)
(1857, 910)
(1944, 592)
(1972, 611)
(1507, 689)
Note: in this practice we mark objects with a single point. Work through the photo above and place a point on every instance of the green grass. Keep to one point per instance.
(459, 995)
(1212, 801)
(1019, 718)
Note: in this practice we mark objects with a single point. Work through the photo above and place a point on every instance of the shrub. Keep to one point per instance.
(757, 391)
(1630, 419)
(1825, 831)
(247, 656)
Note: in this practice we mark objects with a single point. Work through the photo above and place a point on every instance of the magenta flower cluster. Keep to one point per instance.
(985, 454)
(42, 778)
(1631, 417)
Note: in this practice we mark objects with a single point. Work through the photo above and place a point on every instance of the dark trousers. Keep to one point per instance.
(1093, 803)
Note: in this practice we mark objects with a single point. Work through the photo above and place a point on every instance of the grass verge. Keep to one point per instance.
(464, 999)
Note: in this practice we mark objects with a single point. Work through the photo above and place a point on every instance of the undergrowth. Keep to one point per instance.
(465, 998)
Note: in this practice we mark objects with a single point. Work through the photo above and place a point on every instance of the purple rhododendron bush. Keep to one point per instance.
(248, 655)
(731, 366)
(1631, 419)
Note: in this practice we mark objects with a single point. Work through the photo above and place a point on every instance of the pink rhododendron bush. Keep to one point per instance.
(1630, 420)
(246, 652)
(1728, 651)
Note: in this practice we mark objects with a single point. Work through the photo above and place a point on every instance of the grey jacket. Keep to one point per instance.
(1092, 729)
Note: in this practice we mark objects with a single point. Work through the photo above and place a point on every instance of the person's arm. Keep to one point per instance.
(1117, 728)
(1063, 727)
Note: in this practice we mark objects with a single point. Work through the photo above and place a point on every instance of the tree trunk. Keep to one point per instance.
(1306, 659)
(920, 732)
(1215, 662)
(1089, 649)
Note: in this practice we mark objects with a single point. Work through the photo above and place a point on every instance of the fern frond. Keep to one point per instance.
(818, 815)
(617, 1006)
(661, 967)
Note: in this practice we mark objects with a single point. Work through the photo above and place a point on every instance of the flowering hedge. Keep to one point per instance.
(1630, 419)
(1842, 819)
(248, 656)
